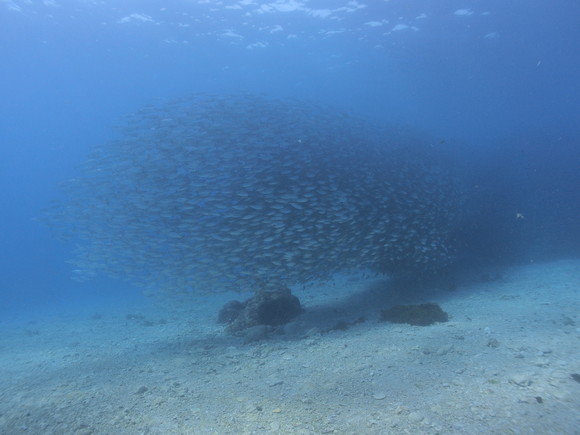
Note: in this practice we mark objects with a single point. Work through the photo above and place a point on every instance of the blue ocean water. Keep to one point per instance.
(495, 82)
(498, 81)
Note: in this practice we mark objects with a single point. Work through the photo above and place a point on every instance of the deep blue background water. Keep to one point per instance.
(497, 83)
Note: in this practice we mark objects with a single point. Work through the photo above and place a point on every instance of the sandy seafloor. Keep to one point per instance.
(501, 365)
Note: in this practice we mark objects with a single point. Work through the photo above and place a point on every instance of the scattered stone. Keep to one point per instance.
(444, 350)
(142, 390)
(568, 321)
(419, 315)
(84, 431)
(493, 343)
(272, 382)
(400, 409)
(379, 396)
(521, 379)
(542, 362)
(416, 417)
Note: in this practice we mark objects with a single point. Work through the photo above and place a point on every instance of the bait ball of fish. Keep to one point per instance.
(238, 192)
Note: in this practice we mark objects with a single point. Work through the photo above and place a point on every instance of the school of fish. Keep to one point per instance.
(243, 192)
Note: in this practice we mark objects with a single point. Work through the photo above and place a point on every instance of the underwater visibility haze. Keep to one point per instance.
(159, 159)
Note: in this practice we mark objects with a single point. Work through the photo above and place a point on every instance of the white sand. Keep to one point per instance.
(510, 344)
